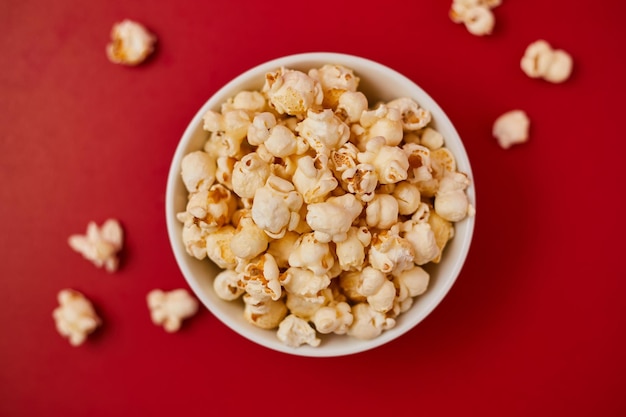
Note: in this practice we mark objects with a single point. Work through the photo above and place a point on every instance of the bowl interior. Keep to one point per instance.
(378, 82)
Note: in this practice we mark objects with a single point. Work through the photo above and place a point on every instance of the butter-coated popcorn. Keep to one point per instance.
(368, 323)
(100, 245)
(331, 219)
(477, 16)
(323, 130)
(131, 43)
(335, 318)
(390, 162)
(226, 285)
(170, 308)
(385, 121)
(265, 313)
(313, 178)
(75, 317)
(389, 252)
(351, 251)
(511, 128)
(312, 254)
(540, 60)
(294, 331)
(413, 116)
(320, 208)
(276, 206)
(198, 171)
(292, 92)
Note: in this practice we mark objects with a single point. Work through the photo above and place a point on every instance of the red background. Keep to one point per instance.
(535, 323)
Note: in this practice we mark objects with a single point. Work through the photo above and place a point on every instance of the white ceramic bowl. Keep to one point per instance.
(378, 82)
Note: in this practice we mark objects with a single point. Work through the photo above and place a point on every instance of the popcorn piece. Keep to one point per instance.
(335, 80)
(385, 121)
(360, 181)
(390, 162)
(75, 318)
(408, 198)
(451, 201)
(413, 116)
(252, 102)
(336, 318)
(541, 61)
(331, 219)
(382, 300)
(351, 252)
(282, 142)
(368, 323)
(412, 282)
(218, 247)
(260, 277)
(249, 174)
(260, 128)
(443, 230)
(131, 43)
(382, 211)
(389, 252)
(475, 14)
(281, 248)
(170, 308)
(248, 240)
(294, 331)
(292, 92)
(224, 171)
(304, 307)
(323, 130)
(431, 138)
(351, 106)
(276, 207)
(511, 128)
(312, 254)
(198, 171)
(313, 178)
(226, 285)
(304, 282)
(212, 207)
(264, 313)
(422, 240)
(420, 165)
(100, 245)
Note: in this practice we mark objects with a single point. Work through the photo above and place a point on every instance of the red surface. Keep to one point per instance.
(535, 324)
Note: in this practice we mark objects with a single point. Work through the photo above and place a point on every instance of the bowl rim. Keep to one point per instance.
(174, 181)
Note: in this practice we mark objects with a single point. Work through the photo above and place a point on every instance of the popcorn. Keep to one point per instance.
(226, 285)
(131, 43)
(368, 323)
(100, 245)
(323, 130)
(170, 308)
(319, 208)
(75, 318)
(386, 121)
(292, 92)
(390, 162)
(275, 207)
(294, 331)
(477, 16)
(541, 61)
(313, 178)
(511, 128)
(264, 313)
(332, 219)
(198, 171)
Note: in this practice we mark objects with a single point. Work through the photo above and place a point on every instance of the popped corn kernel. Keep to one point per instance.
(511, 128)
(75, 317)
(170, 308)
(294, 331)
(100, 245)
(540, 60)
(131, 43)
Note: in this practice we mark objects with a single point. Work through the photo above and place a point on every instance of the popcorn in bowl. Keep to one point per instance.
(336, 213)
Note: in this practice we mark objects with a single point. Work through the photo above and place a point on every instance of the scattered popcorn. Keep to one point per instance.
(75, 318)
(319, 208)
(131, 43)
(541, 61)
(170, 308)
(100, 245)
(511, 128)
(476, 15)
